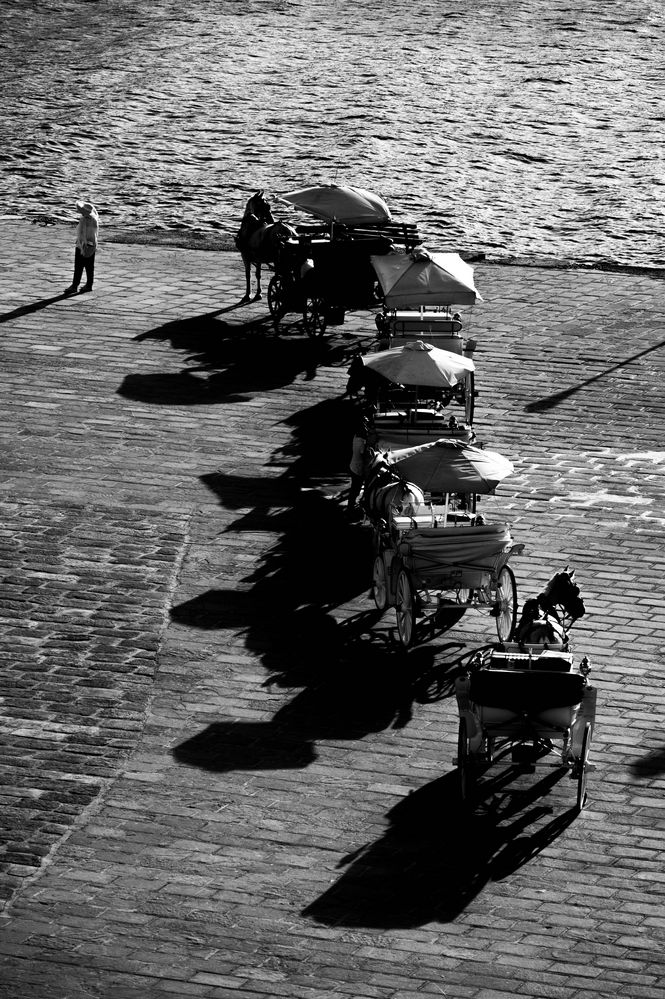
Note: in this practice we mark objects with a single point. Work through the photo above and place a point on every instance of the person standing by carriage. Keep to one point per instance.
(364, 438)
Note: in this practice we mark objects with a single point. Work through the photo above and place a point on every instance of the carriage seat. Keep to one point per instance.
(537, 658)
(509, 701)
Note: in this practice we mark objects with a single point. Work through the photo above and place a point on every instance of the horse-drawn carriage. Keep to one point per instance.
(322, 274)
(420, 393)
(433, 551)
(526, 703)
(420, 363)
(325, 268)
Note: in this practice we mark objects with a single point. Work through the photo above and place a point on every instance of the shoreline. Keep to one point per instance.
(187, 239)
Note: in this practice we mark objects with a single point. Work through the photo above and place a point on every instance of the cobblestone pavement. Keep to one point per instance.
(219, 777)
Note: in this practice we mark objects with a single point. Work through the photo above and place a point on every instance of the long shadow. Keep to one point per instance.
(227, 746)
(352, 685)
(542, 405)
(320, 445)
(228, 362)
(25, 310)
(318, 561)
(436, 857)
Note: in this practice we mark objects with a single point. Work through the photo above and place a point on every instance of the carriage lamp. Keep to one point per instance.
(585, 667)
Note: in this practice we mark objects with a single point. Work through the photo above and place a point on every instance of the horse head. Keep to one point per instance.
(562, 593)
(547, 617)
(259, 207)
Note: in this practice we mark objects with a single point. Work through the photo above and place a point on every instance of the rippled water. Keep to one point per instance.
(529, 128)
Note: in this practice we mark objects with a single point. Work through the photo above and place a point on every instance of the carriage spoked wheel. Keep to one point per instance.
(314, 317)
(380, 583)
(582, 768)
(464, 767)
(405, 609)
(276, 298)
(470, 397)
(505, 608)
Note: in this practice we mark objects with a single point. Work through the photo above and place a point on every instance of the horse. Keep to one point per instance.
(546, 618)
(386, 490)
(258, 240)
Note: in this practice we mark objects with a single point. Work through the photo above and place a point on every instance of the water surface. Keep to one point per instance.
(528, 128)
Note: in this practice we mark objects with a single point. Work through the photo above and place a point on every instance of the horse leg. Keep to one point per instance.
(257, 271)
(246, 261)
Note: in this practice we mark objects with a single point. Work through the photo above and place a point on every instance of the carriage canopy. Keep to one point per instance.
(419, 363)
(450, 466)
(422, 278)
(350, 205)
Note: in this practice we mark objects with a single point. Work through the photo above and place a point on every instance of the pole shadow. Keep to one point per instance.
(543, 405)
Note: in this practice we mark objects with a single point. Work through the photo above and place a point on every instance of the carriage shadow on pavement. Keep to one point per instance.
(435, 857)
(351, 685)
(353, 678)
(228, 362)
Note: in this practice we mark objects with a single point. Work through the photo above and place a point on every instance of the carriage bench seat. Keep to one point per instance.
(508, 699)
(526, 692)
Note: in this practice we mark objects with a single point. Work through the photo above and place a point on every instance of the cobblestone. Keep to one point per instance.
(217, 776)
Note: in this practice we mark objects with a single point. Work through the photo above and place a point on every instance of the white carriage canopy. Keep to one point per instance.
(419, 363)
(349, 205)
(450, 466)
(422, 279)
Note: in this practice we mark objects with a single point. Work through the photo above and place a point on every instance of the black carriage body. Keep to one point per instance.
(326, 270)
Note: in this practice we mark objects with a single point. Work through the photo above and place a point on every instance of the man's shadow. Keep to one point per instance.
(25, 310)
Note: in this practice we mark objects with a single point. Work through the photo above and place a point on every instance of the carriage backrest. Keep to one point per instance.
(527, 692)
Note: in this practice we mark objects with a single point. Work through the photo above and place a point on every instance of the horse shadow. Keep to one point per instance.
(352, 683)
(227, 362)
(436, 856)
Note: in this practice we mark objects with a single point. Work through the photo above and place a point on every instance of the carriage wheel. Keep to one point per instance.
(582, 768)
(464, 762)
(405, 608)
(276, 298)
(379, 583)
(314, 317)
(469, 398)
(506, 604)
